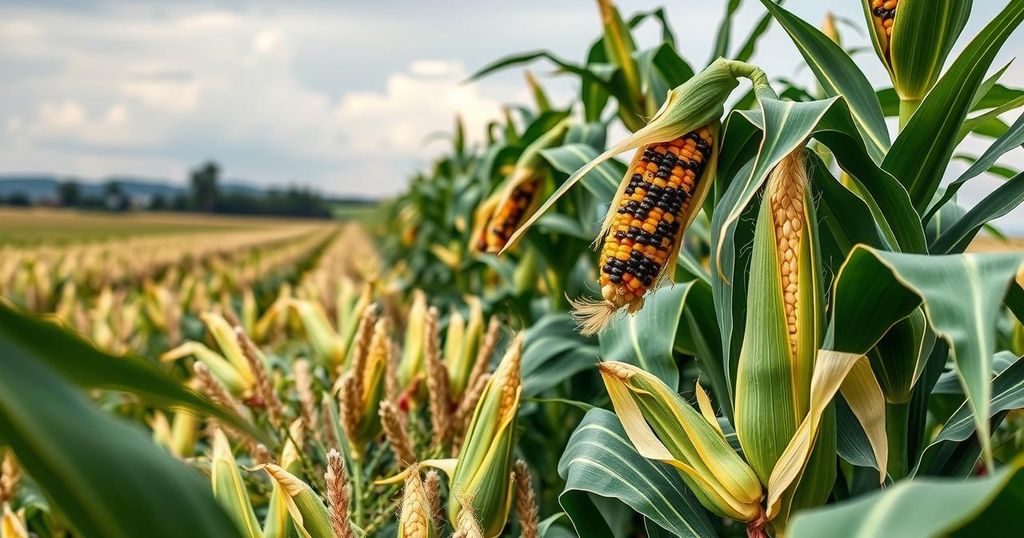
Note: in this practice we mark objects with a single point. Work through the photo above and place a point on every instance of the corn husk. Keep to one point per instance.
(308, 514)
(530, 167)
(663, 427)
(229, 489)
(785, 319)
(221, 368)
(12, 525)
(224, 335)
(412, 360)
(923, 34)
(460, 351)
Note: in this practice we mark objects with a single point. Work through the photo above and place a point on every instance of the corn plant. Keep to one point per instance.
(836, 304)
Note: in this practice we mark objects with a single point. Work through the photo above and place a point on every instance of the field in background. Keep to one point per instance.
(25, 226)
(986, 243)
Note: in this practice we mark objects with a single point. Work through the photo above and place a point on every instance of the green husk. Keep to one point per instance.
(229, 489)
(664, 427)
(482, 474)
(309, 515)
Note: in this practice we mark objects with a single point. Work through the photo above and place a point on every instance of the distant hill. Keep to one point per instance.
(43, 188)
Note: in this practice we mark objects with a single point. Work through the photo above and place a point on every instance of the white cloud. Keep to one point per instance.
(267, 40)
(435, 67)
(413, 105)
(63, 116)
(13, 124)
(165, 95)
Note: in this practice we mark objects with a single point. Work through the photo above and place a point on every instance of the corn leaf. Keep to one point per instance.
(724, 33)
(91, 368)
(701, 340)
(838, 75)
(960, 296)
(901, 355)
(987, 506)
(229, 488)
(552, 353)
(1012, 139)
(948, 447)
(601, 183)
(998, 203)
(106, 477)
(920, 154)
(308, 513)
(600, 460)
(845, 219)
(647, 339)
(832, 371)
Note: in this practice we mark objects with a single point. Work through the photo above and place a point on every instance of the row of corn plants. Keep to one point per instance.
(780, 332)
(140, 295)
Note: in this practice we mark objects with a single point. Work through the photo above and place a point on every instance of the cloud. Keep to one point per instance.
(343, 96)
(414, 104)
(166, 95)
(63, 116)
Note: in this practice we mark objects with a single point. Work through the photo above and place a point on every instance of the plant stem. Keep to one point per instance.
(897, 416)
(907, 109)
(357, 486)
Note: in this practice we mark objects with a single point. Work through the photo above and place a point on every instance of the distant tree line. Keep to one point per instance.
(204, 195)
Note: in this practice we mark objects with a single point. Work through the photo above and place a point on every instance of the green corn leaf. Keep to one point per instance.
(902, 282)
(601, 183)
(900, 356)
(749, 46)
(647, 339)
(661, 69)
(986, 506)
(105, 476)
(554, 352)
(1012, 139)
(94, 369)
(988, 122)
(998, 203)
(955, 447)
(701, 340)
(599, 461)
(724, 33)
(838, 75)
(845, 219)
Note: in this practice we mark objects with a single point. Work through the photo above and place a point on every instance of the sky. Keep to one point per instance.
(344, 96)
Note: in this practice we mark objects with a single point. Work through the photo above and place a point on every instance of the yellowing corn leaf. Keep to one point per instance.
(833, 370)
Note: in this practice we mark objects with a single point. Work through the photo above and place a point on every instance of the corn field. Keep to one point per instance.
(694, 301)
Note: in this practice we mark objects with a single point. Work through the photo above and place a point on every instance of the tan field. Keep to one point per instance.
(46, 224)
(987, 243)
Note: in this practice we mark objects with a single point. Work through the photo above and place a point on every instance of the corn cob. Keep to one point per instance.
(506, 220)
(416, 519)
(498, 217)
(643, 231)
(884, 13)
